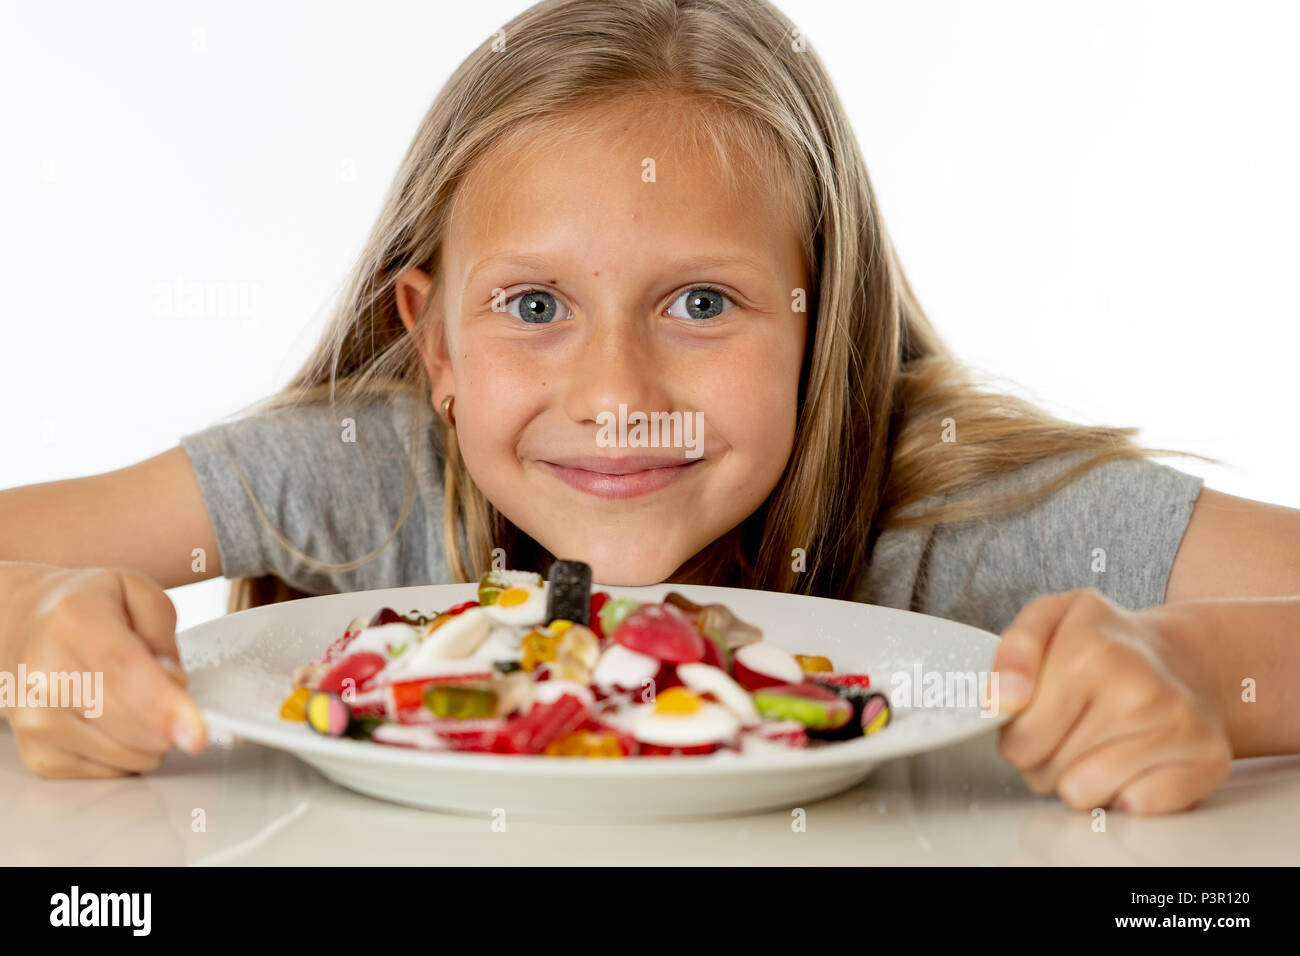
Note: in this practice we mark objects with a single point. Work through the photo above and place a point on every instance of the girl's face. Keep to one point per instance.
(604, 270)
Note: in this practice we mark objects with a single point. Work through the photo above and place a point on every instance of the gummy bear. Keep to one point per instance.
(539, 648)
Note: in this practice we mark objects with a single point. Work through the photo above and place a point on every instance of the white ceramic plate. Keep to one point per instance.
(240, 667)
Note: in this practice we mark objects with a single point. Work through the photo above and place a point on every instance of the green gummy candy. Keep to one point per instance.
(461, 701)
(810, 713)
(614, 611)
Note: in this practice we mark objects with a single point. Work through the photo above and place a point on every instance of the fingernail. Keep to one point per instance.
(185, 735)
(1014, 688)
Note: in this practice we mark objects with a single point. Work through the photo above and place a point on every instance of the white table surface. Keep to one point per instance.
(960, 805)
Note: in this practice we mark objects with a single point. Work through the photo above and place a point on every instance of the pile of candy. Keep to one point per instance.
(551, 668)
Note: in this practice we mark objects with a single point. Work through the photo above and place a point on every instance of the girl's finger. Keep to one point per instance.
(56, 764)
(1173, 787)
(145, 706)
(1099, 777)
(1022, 648)
(82, 737)
(150, 612)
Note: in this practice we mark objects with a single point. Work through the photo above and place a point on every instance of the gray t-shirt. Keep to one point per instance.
(334, 491)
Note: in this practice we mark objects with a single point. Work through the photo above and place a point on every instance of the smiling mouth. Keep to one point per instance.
(620, 477)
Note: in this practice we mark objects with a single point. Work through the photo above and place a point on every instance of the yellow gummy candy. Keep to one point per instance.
(676, 701)
(295, 705)
(538, 648)
(584, 743)
(512, 597)
(814, 663)
(559, 626)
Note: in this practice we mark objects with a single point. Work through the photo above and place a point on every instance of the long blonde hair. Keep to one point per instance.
(877, 383)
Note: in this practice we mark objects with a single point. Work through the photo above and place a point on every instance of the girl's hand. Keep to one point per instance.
(113, 622)
(1109, 712)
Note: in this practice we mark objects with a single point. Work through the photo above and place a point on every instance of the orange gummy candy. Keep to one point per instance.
(295, 705)
(584, 743)
(814, 663)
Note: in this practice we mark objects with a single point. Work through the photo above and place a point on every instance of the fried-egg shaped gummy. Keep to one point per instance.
(519, 605)
(678, 718)
(493, 583)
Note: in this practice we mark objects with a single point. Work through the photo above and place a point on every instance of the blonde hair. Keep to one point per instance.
(877, 381)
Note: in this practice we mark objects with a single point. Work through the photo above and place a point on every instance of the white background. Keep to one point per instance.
(1096, 202)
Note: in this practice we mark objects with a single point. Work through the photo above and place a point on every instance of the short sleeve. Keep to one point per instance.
(1116, 527)
(293, 486)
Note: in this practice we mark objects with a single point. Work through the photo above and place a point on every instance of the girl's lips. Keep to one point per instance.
(625, 484)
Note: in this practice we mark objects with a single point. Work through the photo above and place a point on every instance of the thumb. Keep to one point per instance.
(1022, 648)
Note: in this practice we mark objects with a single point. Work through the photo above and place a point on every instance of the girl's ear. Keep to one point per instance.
(415, 292)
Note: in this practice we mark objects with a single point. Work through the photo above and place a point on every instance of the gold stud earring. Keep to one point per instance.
(445, 410)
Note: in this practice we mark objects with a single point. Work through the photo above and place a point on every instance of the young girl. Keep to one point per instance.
(658, 206)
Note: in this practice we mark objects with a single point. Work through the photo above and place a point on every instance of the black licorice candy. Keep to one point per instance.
(569, 596)
(870, 712)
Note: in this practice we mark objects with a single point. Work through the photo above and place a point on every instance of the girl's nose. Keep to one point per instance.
(616, 363)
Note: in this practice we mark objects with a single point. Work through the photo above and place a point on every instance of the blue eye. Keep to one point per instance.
(536, 307)
(701, 302)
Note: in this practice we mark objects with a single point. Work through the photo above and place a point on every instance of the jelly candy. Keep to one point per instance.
(814, 663)
(764, 665)
(663, 632)
(460, 608)
(453, 701)
(493, 583)
(580, 642)
(570, 591)
(621, 669)
(836, 680)
(327, 714)
(295, 705)
(716, 620)
(871, 712)
(405, 699)
(585, 743)
(545, 722)
(519, 605)
(539, 647)
(357, 668)
(384, 616)
(614, 611)
(457, 637)
(705, 679)
(598, 599)
(812, 705)
(679, 718)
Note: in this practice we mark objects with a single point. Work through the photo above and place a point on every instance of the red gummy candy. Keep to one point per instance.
(842, 680)
(695, 750)
(461, 608)
(663, 632)
(598, 599)
(531, 732)
(384, 616)
(359, 668)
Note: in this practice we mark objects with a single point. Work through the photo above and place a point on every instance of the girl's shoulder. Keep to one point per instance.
(1115, 527)
(293, 488)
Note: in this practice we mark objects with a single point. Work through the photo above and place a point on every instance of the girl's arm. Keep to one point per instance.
(1233, 599)
(1251, 647)
(149, 517)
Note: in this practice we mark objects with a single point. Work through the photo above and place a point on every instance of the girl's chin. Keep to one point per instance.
(624, 569)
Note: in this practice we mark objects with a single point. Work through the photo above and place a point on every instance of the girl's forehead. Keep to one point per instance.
(612, 182)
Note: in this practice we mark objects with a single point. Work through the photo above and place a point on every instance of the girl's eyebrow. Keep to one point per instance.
(532, 260)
